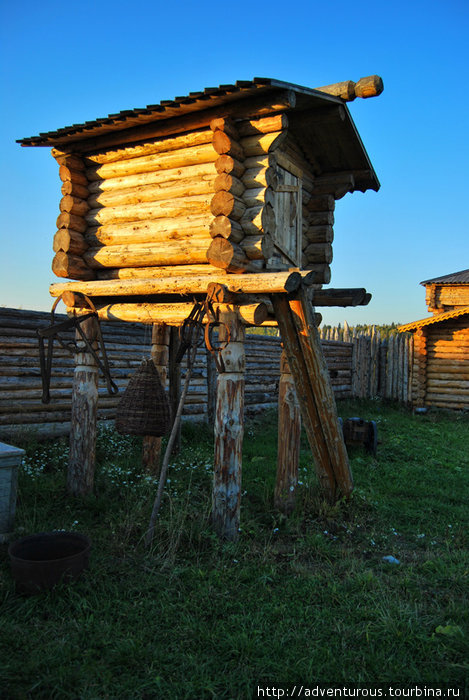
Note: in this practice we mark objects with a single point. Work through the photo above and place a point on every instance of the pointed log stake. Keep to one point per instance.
(169, 448)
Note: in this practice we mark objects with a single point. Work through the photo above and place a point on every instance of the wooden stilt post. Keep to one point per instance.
(81, 465)
(229, 428)
(289, 433)
(302, 344)
(151, 453)
(174, 382)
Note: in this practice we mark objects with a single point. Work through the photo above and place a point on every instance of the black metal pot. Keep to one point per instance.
(39, 562)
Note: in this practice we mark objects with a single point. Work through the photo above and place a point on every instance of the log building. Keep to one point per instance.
(229, 192)
(441, 344)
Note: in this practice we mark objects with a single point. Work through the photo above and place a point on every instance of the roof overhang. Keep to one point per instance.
(321, 123)
(438, 318)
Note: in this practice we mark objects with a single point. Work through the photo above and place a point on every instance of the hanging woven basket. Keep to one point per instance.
(144, 407)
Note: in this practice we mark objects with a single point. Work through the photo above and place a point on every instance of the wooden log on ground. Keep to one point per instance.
(289, 434)
(229, 429)
(82, 459)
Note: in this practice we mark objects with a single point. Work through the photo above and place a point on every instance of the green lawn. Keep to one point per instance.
(300, 600)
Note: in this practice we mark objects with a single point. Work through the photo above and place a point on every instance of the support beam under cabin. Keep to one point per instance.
(229, 426)
(82, 459)
(289, 435)
(151, 452)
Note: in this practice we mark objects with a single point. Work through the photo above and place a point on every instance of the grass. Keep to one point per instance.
(306, 599)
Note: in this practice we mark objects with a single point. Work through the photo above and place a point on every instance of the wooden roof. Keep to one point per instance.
(321, 123)
(438, 318)
(461, 277)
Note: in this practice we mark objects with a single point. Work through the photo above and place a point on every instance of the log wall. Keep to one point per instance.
(127, 344)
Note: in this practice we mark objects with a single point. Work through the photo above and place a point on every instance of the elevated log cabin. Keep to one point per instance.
(441, 344)
(229, 191)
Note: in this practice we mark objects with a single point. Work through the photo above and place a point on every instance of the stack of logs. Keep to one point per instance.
(186, 200)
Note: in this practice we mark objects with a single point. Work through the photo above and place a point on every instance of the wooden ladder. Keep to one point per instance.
(302, 344)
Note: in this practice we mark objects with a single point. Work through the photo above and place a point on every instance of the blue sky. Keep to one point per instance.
(63, 65)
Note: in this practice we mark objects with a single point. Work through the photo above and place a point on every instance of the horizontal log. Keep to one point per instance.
(320, 218)
(145, 255)
(262, 125)
(322, 272)
(71, 221)
(227, 255)
(263, 143)
(325, 202)
(69, 241)
(224, 144)
(74, 189)
(370, 86)
(172, 314)
(336, 184)
(225, 124)
(228, 164)
(189, 173)
(67, 174)
(71, 266)
(151, 272)
(319, 234)
(70, 160)
(339, 297)
(257, 219)
(163, 145)
(160, 161)
(142, 231)
(229, 183)
(183, 206)
(319, 252)
(73, 205)
(154, 192)
(227, 228)
(260, 247)
(226, 204)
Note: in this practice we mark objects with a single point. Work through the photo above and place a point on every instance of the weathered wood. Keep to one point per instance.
(226, 204)
(224, 144)
(289, 434)
(153, 192)
(260, 247)
(69, 241)
(68, 174)
(171, 314)
(156, 231)
(339, 297)
(144, 255)
(226, 228)
(81, 465)
(163, 145)
(309, 369)
(228, 164)
(67, 220)
(71, 267)
(229, 429)
(227, 255)
(160, 161)
(229, 183)
(73, 205)
(151, 445)
(262, 125)
(179, 207)
(371, 86)
(74, 189)
(153, 178)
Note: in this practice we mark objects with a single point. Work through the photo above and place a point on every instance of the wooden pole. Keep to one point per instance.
(174, 382)
(151, 451)
(229, 429)
(289, 433)
(82, 459)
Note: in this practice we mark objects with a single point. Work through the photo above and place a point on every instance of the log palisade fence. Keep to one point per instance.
(362, 366)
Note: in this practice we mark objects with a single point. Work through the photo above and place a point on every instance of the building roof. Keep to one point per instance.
(322, 123)
(438, 318)
(461, 277)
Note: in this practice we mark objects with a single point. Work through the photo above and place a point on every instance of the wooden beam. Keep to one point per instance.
(289, 434)
(341, 297)
(308, 366)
